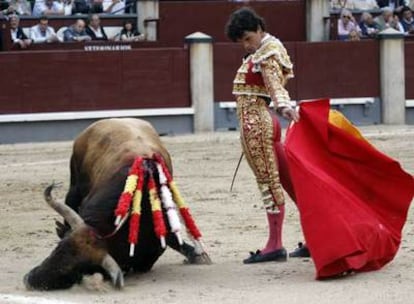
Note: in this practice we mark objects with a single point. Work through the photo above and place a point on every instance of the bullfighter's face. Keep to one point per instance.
(251, 40)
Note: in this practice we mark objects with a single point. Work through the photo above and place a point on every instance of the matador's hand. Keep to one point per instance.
(289, 113)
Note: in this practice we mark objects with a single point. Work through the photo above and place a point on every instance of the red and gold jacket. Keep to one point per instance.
(265, 73)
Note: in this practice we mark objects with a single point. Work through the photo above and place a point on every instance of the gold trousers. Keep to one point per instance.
(260, 130)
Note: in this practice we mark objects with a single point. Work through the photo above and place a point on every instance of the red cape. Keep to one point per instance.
(353, 200)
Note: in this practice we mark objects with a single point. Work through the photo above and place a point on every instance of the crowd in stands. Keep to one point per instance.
(39, 8)
(80, 31)
(374, 16)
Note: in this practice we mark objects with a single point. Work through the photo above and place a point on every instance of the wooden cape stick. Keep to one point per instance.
(235, 171)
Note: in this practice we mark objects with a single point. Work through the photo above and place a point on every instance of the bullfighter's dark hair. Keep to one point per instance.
(243, 20)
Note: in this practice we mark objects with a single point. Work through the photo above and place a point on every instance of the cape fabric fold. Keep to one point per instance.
(353, 200)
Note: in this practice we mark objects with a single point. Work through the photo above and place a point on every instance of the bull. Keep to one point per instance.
(101, 158)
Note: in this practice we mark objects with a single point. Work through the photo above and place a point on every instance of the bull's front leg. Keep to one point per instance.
(193, 256)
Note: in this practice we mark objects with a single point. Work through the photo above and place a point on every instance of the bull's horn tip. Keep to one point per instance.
(119, 282)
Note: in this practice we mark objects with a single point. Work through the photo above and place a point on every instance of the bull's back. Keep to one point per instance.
(110, 144)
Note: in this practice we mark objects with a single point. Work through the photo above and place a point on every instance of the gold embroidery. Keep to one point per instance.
(256, 123)
(272, 46)
(273, 62)
(275, 81)
(256, 126)
(245, 89)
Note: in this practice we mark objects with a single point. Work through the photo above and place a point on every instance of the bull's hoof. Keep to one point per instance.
(198, 259)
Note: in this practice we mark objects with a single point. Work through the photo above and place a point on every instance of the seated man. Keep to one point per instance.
(76, 32)
(94, 29)
(388, 20)
(407, 20)
(368, 26)
(42, 32)
(17, 34)
(48, 8)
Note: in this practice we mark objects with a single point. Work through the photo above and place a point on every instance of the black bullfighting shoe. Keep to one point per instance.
(279, 255)
(302, 251)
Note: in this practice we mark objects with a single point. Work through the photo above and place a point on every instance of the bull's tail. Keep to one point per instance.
(164, 197)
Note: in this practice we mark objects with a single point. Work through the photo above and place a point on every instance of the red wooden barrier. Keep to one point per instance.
(286, 19)
(409, 69)
(49, 81)
(333, 69)
(337, 69)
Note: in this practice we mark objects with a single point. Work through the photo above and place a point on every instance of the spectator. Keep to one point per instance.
(38, 4)
(396, 5)
(130, 33)
(130, 6)
(388, 20)
(346, 23)
(115, 7)
(95, 6)
(80, 7)
(354, 35)
(48, 8)
(18, 37)
(407, 20)
(364, 5)
(18, 7)
(94, 29)
(67, 6)
(76, 32)
(42, 32)
(342, 4)
(368, 26)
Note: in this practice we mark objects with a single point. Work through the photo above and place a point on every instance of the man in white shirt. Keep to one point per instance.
(42, 32)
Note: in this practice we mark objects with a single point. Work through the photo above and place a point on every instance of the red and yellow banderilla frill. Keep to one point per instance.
(132, 195)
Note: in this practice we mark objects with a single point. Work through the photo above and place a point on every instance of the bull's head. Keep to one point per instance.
(79, 252)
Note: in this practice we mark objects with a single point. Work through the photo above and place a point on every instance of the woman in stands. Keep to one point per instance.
(261, 78)
(130, 33)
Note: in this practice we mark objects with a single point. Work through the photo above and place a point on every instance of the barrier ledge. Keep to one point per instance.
(334, 101)
(79, 115)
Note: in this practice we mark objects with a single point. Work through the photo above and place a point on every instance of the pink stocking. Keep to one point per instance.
(275, 222)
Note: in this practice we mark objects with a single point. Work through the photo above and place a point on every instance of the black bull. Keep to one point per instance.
(102, 156)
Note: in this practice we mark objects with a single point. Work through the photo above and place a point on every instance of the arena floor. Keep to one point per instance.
(233, 223)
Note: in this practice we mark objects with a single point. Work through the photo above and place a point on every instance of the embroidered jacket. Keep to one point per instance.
(265, 73)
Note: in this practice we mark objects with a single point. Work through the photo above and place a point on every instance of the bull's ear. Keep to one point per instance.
(114, 271)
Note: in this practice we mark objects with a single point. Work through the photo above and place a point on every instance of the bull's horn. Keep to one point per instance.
(113, 269)
(73, 219)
